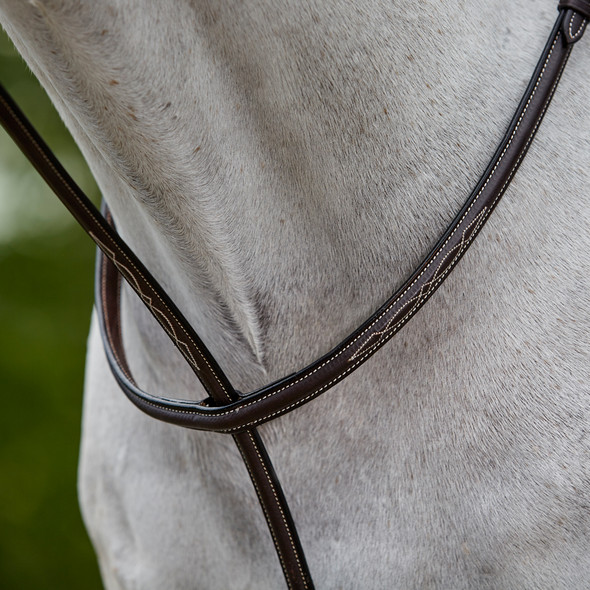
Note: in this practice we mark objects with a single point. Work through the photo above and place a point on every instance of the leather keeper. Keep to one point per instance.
(573, 26)
(580, 6)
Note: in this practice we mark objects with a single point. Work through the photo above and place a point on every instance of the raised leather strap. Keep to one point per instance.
(122, 262)
(138, 277)
(291, 392)
(575, 18)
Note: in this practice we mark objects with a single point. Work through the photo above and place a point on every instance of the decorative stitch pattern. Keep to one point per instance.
(168, 327)
(424, 292)
(196, 411)
(396, 314)
(65, 184)
(158, 314)
(107, 332)
(574, 36)
(548, 59)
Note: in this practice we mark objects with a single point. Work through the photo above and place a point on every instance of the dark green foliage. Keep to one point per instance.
(46, 268)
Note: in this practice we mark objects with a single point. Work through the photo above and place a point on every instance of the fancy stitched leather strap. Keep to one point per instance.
(291, 392)
(116, 250)
(282, 396)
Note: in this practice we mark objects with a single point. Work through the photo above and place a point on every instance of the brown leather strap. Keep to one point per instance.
(118, 260)
(138, 277)
(284, 395)
(291, 392)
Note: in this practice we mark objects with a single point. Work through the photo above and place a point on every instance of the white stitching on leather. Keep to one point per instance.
(267, 516)
(196, 411)
(274, 493)
(580, 29)
(458, 225)
(425, 289)
(165, 322)
(328, 385)
(482, 188)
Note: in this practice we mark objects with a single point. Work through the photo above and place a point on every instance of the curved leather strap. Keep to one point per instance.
(266, 484)
(575, 18)
(291, 392)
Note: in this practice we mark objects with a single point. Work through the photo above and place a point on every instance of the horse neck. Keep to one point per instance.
(280, 170)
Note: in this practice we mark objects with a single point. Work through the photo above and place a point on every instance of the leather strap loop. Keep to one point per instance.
(228, 411)
(580, 6)
(574, 19)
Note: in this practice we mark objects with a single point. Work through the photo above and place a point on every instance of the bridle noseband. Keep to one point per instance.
(226, 409)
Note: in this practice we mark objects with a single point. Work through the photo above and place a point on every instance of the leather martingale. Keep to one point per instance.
(287, 394)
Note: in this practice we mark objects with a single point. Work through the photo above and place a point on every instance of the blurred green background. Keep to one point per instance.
(46, 271)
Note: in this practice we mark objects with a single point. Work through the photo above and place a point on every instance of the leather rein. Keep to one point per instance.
(230, 411)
